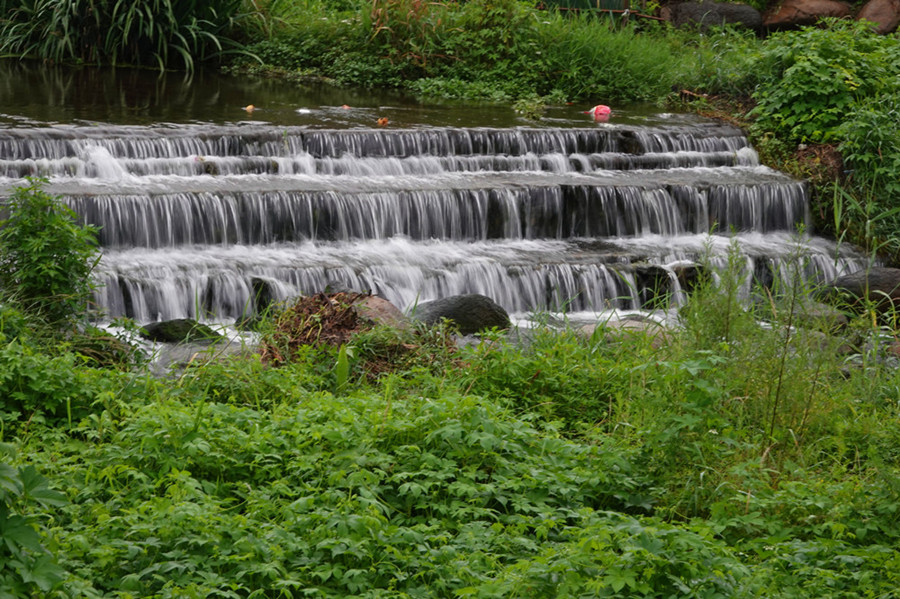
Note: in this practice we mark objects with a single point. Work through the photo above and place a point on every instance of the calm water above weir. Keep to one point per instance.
(205, 207)
(41, 96)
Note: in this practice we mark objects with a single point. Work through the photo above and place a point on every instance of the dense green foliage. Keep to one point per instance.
(840, 84)
(27, 568)
(496, 50)
(734, 459)
(156, 33)
(812, 80)
(46, 258)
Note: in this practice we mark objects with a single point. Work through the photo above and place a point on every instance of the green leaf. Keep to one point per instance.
(9, 481)
(36, 487)
(16, 531)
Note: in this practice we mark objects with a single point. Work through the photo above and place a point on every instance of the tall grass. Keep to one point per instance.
(587, 59)
(155, 33)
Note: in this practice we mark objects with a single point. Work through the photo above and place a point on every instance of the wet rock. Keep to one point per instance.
(710, 14)
(173, 359)
(470, 313)
(883, 14)
(796, 13)
(689, 275)
(654, 285)
(265, 293)
(179, 330)
(878, 285)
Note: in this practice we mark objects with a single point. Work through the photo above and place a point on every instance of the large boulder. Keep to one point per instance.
(708, 14)
(883, 14)
(879, 285)
(471, 313)
(796, 13)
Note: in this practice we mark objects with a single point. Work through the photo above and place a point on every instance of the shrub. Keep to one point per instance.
(813, 79)
(32, 382)
(46, 258)
(867, 206)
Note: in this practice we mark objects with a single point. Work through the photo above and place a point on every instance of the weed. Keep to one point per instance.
(27, 568)
(46, 258)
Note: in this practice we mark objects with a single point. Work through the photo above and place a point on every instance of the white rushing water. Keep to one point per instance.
(204, 221)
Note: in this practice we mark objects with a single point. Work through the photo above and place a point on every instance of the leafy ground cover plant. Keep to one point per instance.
(813, 80)
(332, 496)
(866, 207)
(579, 465)
(27, 568)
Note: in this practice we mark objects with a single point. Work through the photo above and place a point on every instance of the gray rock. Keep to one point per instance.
(471, 313)
(817, 315)
(879, 285)
(656, 333)
(709, 14)
(379, 311)
(172, 359)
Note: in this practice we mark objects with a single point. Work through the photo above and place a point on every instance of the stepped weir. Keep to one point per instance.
(199, 220)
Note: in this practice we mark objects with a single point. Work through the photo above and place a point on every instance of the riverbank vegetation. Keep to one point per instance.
(749, 452)
(161, 34)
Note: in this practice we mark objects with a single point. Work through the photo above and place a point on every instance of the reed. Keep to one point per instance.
(160, 34)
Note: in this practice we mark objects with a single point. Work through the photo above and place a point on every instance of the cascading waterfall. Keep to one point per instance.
(199, 221)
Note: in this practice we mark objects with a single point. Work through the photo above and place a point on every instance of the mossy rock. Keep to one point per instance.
(180, 330)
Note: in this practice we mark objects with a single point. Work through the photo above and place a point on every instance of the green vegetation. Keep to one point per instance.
(155, 33)
(496, 50)
(46, 258)
(749, 452)
(29, 568)
(840, 85)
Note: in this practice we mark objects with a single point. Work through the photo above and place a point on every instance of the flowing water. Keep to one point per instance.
(204, 206)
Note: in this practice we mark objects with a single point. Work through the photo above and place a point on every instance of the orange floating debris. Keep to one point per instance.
(249, 107)
(345, 107)
(383, 121)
